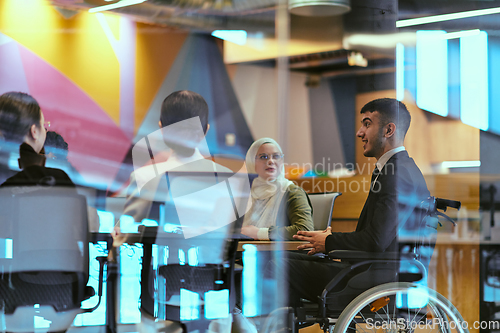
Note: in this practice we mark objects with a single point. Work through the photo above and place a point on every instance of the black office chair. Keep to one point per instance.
(378, 289)
(45, 262)
(188, 260)
(180, 292)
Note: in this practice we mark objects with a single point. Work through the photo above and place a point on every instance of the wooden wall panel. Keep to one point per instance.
(454, 273)
(462, 187)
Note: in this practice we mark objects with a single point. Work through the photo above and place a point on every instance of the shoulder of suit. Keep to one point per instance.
(400, 154)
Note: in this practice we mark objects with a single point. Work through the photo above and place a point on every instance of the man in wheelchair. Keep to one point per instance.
(380, 281)
(397, 188)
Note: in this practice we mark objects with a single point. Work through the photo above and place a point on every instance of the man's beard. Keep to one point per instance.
(376, 144)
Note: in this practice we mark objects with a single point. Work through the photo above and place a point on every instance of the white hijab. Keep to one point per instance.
(266, 195)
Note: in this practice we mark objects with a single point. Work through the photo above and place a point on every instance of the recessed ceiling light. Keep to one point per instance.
(446, 17)
(234, 36)
(460, 34)
(460, 164)
(122, 3)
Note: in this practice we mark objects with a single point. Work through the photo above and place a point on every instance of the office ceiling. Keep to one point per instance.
(249, 15)
(421, 8)
(369, 17)
(192, 15)
(375, 16)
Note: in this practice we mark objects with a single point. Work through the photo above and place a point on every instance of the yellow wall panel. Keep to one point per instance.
(77, 47)
(157, 49)
(113, 21)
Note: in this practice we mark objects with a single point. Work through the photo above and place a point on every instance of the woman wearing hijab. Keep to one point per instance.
(279, 207)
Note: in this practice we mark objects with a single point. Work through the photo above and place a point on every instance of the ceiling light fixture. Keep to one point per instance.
(446, 17)
(385, 41)
(120, 4)
(459, 34)
(319, 7)
(461, 164)
(234, 36)
(474, 87)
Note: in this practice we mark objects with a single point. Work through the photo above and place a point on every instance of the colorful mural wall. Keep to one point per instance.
(100, 78)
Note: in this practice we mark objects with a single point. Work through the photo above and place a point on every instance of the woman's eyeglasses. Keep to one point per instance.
(275, 157)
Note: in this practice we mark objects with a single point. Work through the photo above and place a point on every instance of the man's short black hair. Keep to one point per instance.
(55, 140)
(391, 111)
(18, 112)
(182, 105)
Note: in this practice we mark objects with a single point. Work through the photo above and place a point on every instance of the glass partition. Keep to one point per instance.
(294, 73)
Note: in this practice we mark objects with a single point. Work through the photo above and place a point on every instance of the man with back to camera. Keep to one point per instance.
(177, 107)
(397, 187)
(188, 112)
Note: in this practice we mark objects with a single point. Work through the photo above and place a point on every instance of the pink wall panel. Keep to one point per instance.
(12, 76)
(96, 144)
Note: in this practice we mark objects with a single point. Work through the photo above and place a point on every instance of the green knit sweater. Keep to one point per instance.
(295, 213)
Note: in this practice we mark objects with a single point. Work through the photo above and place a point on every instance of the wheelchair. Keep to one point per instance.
(382, 292)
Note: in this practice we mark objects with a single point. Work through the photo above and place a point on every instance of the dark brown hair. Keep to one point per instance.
(391, 111)
(18, 112)
(182, 105)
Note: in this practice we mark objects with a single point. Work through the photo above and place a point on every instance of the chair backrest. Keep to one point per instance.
(420, 238)
(45, 257)
(47, 229)
(195, 225)
(204, 206)
(322, 204)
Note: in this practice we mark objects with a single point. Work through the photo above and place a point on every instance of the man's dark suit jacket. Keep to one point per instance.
(390, 205)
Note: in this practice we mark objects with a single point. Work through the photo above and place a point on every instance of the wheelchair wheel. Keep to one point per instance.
(400, 307)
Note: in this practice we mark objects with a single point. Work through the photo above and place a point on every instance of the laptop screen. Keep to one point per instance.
(197, 203)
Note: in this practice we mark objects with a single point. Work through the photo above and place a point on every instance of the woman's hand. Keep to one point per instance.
(250, 231)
